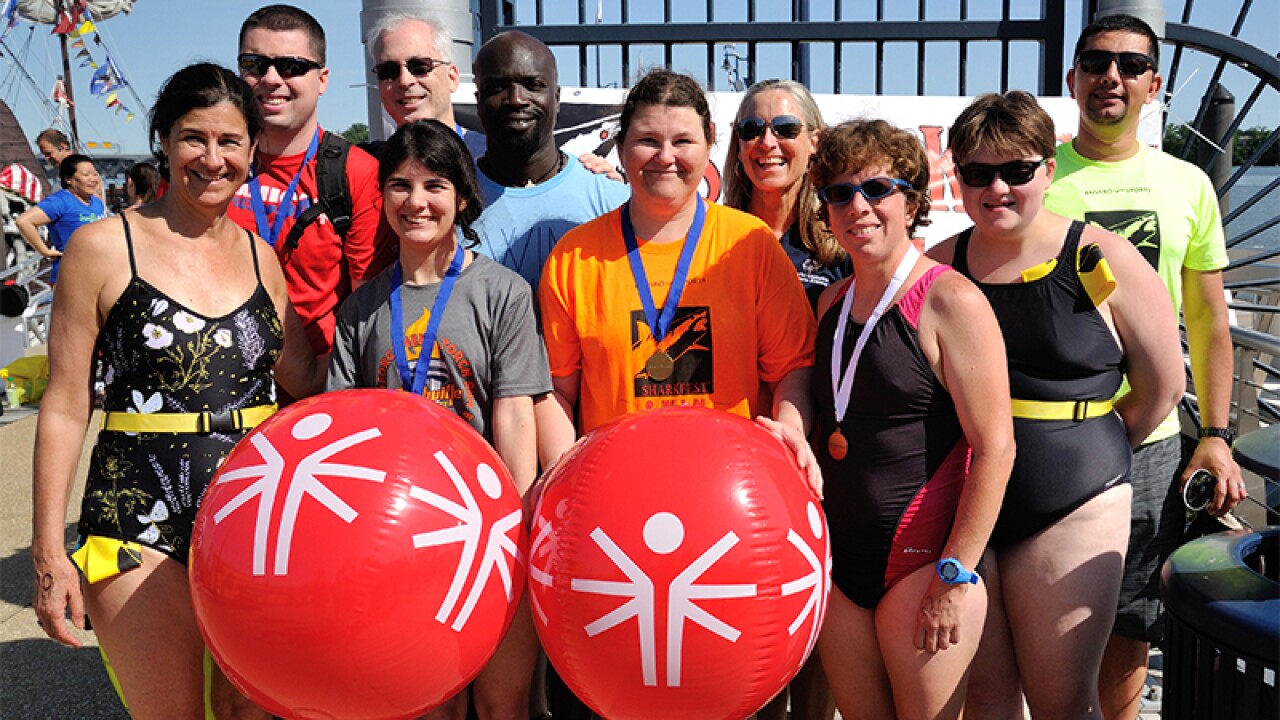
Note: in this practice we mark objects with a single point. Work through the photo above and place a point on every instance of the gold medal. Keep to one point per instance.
(837, 446)
(659, 366)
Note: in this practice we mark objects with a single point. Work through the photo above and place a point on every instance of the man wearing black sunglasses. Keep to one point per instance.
(1169, 210)
(327, 246)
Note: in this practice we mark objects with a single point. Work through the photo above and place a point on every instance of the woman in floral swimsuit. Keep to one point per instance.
(186, 310)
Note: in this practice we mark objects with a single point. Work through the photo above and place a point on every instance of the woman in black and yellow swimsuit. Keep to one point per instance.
(191, 316)
(1078, 306)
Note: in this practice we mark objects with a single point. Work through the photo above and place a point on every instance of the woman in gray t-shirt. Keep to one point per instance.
(473, 319)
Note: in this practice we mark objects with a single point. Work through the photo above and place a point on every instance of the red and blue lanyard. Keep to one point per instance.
(271, 231)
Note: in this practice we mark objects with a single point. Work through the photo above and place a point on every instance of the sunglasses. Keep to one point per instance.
(287, 65)
(785, 127)
(877, 188)
(1098, 62)
(1014, 173)
(418, 67)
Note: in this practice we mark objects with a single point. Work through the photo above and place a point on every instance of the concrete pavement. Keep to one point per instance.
(39, 679)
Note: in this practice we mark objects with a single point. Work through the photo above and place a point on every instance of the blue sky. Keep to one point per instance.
(160, 36)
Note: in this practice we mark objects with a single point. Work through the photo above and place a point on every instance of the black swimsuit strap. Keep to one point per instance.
(128, 241)
(253, 250)
(960, 255)
(1072, 245)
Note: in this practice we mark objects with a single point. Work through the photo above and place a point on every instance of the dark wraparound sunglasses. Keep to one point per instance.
(877, 188)
(787, 127)
(1098, 62)
(1014, 173)
(418, 67)
(287, 65)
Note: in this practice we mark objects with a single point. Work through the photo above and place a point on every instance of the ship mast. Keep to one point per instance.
(66, 73)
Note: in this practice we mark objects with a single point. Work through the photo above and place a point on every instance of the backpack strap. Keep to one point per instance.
(333, 196)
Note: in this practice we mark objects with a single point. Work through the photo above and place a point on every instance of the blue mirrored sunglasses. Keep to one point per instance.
(876, 188)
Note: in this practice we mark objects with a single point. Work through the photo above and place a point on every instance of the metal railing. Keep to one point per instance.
(850, 38)
(32, 273)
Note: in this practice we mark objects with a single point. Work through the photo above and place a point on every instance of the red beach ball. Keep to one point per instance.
(358, 555)
(678, 567)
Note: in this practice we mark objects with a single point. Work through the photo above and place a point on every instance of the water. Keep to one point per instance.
(1264, 211)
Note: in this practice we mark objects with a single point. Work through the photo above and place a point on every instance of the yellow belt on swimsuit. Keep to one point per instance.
(201, 422)
(1060, 409)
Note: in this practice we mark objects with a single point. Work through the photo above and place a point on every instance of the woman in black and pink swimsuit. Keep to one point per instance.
(914, 438)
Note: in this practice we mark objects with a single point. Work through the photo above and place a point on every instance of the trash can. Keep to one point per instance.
(1222, 632)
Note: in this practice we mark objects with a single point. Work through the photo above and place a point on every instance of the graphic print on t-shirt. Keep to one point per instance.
(689, 345)
(526, 253)
(440, 387)
(1140, 227)
(271, 197)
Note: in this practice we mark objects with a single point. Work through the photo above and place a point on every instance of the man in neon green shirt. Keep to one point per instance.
(1169, 210)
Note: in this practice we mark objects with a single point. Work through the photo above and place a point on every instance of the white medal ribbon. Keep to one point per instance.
(842, 388)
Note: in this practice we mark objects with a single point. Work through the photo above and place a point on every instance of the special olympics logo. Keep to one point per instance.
(317, 483)
(304, 482)
(498, 542)
(663, 533)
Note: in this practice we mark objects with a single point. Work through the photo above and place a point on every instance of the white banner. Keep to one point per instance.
(588, 122)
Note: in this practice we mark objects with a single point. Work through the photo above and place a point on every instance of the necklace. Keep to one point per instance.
(555, 170)
(506, 180)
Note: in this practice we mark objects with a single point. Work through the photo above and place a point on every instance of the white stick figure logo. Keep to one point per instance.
(815, 581)
(663, 534)
(498, 543)
(303, 483)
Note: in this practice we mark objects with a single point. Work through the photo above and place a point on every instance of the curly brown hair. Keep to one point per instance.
(857, 144)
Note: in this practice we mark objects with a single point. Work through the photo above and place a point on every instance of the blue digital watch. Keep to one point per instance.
(952, 572)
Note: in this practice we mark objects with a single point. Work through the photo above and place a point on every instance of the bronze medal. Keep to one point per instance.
(660, 366)
(837, 446)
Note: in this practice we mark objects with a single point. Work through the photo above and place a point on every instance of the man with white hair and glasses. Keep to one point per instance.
(413, 65)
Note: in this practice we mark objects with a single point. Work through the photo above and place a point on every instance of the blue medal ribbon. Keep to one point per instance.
(271, 231)
(659, 324)
(417, 378)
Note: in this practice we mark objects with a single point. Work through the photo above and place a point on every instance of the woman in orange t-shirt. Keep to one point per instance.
(670, 300)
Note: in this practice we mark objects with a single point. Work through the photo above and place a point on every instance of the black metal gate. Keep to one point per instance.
(847, 36)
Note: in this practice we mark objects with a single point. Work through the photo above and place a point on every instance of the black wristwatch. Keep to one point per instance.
(1226, 433)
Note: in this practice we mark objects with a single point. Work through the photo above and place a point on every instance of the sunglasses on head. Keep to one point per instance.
(787, 127)
(1098, 62)
(287, 65)
(877, 188)
(1014, 173)
(418, 67)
